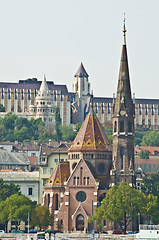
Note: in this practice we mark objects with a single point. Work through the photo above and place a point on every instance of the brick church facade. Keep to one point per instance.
(77, 187)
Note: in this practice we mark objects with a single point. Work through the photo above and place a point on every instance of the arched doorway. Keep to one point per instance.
(79, 223)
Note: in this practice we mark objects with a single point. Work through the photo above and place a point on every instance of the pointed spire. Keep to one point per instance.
(124, 32)
(81, 72)
(123, 97)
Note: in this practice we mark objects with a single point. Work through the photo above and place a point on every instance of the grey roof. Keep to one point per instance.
(34, 86)
(19, 176)
(13, 158)
(81, 72)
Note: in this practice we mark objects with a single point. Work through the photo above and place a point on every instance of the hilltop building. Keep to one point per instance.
(77, 187)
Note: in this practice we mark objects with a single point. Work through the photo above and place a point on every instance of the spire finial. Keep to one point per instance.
(124, 32)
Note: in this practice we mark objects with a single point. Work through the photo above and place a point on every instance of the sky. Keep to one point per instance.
(53, 37)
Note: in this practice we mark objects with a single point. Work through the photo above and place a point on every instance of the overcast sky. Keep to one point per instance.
(54, 36)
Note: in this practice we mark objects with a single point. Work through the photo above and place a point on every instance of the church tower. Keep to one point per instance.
(123, 125)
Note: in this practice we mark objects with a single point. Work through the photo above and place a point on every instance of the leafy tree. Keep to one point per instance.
(22, 134)
(144, 154)
(150, 139)
(122, 204)
(15, 207)
(151, 185)
(9, 120)
(2, 108)
(109, 133)
(77, 127)
(6, 190)
(68, 134)
(57, 124)
(46, 133)
(41, 217)
(138, 137)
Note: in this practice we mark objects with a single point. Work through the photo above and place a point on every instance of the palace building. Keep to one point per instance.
(22, 98)
(77, 187)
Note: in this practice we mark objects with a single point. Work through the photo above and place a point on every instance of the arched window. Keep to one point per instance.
(73, 165)
(48, 200)
(121, 126)
(87, 180)
(122, 157)
(115, 126)
(77, 180)
(74, 181)
(81, 175)
(129, 127)
(56, 202)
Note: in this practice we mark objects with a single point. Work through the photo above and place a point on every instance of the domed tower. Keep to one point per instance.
(43, 107)
(123, 125)
(92, 144)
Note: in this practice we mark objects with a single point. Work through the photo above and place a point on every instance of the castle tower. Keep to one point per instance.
(43, 107)
(123, 125)
(81, 86)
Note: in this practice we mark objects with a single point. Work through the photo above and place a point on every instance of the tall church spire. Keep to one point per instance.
(123, 125)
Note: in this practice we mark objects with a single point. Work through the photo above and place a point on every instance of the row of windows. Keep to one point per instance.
(43, 103)
(122, 127)
(44, 170)
(81, 181)
(90, 155)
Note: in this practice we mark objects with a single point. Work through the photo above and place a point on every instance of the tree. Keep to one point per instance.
(144, 154)
(138, 137)
(2, 108)
(15, 207)
(68, 134)
(122, 204)
(57, 124)
(150, 139)
(41, 217)
(6, 190)
(151, 185)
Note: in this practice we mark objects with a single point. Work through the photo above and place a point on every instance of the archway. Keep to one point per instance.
(80, 223)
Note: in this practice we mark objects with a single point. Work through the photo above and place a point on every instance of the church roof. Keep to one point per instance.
(60, 175)
(91, 136)
(81, 72)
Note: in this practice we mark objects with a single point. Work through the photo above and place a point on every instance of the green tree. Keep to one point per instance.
(2, 108)
(6, 190)
(151, 185)
(15, 207)
(46, 133)
(41, 217)
(22, 134)
(9, 120)
(138, 137)
(150, 139)
(109, 133)
(68, 134)
(122, 204)
(144, 154)
(57, 124)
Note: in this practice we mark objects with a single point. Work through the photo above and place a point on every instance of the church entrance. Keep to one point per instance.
(79, 223)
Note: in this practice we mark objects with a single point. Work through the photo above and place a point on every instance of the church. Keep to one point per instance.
(77, 187)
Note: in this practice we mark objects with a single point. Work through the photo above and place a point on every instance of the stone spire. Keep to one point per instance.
(43, 92)
(123, 99)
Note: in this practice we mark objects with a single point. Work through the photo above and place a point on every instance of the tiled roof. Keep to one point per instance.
(26, 146)
(60, 175)
(45, 150)
(151, 150)
(33, 160)
(91, 136)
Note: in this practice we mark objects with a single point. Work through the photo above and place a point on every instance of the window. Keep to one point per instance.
(81, 196)
(43, 159)
(51, 170)
(115, 126)
(30, 191)
(122, 157)
(44, 182)
(33, 154)
(44, 170)
(55, 160)
(56, 202)
(122, 126)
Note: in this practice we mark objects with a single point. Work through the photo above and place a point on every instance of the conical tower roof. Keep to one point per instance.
(123, 98)
(81, 72)
(43, 92)
(91, 136)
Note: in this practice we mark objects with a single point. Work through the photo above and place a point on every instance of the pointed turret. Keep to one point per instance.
(81, 72)
(43, 92)
(123, 103)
